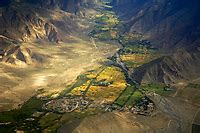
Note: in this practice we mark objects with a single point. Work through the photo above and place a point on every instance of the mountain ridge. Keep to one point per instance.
(170, 69)
(170, 24)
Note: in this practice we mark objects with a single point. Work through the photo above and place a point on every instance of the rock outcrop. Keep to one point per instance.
(169, 23)
(12, 52)
(169, 69)
(72, 6)
(25, 26)
(18, 56)
(25, 21)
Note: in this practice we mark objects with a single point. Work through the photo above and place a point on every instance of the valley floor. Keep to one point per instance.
(85, 85)
(64, 63)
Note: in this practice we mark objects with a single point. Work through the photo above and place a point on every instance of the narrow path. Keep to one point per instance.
(91, 82)
(93, 42)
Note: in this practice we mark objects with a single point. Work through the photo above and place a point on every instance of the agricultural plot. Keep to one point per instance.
(105, 25)
(106, 85)
(81, 80)
(135, 60)
(129, 97)
(22, 118)
(160, 89)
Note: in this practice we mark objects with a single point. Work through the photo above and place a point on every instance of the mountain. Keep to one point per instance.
(170, 24)
(170, 69)
(66, 5)
(29, 19)
(25, 21)
(99, 66)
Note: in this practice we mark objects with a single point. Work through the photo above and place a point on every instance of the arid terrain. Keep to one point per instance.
(64, 62)
(84, 66)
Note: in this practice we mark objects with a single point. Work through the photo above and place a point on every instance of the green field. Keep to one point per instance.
(105, 25)
(156, 88)
(18, 118)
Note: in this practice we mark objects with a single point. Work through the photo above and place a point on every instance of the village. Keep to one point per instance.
(66, 104)
(70, 104)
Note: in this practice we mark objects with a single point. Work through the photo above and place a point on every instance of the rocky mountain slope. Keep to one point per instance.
(169, 23)
(25, 20)
(28, 21)
(25, 26)
(66, 5)
(169, 69)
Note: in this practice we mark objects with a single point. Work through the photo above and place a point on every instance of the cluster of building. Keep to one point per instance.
(102, 83)
(66, 104)
(69, 104)
(144, 107)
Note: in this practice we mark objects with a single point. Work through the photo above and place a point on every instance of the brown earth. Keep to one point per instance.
(63, 64)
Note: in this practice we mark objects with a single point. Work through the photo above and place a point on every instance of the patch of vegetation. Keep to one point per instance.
(128, 38)
(24, 112)
(137, 49)
(48, 120)
(105, 25)
(105, 85)
(106, 5)
(81, 79)
(19, 118)
(156, 88)
(135, 98)
(136, 43)
(125, 96)
(131, 64)
(103, 35)
(192, 85)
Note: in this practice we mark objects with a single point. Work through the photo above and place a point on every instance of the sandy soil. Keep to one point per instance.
(65, 62)
(117, 122)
